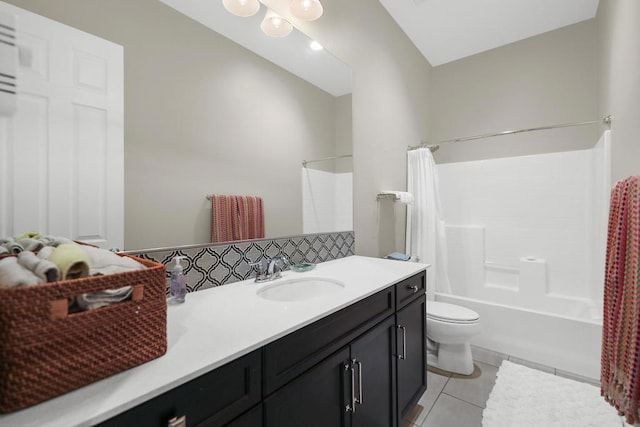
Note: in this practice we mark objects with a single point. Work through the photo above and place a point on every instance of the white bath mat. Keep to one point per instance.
(525, 397)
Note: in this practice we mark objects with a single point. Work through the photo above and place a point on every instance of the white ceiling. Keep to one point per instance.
(291, 53)
(446, 30)
(443, 31)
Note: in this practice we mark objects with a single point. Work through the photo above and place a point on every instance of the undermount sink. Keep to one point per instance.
(300, 289)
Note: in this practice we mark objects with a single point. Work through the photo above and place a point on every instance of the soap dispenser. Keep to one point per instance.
(177, 283)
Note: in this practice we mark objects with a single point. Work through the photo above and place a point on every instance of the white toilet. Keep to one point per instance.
(451, 327)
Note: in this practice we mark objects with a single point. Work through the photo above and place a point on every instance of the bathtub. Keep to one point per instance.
(567, 343)
(526, 239)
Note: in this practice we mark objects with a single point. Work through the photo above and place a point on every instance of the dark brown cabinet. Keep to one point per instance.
(353, 387)
(374, 363)
(412, 362)
(375, 379)
(363, 366)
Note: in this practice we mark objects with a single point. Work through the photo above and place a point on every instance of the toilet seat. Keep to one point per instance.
(451, 313)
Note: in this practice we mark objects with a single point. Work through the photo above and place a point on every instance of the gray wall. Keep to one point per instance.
(399, 99)
(581, 72)
(344, 134)
(548, 79)
(619, 51)
(202, 115)
(389, 111)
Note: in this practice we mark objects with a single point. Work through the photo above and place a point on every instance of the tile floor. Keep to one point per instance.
(452, 402)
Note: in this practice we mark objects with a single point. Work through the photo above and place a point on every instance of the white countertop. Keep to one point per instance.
(214, 327)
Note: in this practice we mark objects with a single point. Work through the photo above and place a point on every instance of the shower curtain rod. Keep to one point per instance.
(433, 146)
(306, 162)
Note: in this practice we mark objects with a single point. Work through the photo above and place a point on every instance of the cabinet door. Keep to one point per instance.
(317, 398)
(412, 356)
(373, 356)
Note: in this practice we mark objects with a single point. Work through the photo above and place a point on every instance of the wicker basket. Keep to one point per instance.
(45, 352)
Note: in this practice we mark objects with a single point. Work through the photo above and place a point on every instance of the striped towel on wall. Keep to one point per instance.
(236, 218)
(620, 363)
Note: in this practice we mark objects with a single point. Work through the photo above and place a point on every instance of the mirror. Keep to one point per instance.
(204, 115)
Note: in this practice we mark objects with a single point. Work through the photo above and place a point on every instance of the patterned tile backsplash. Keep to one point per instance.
(217, 264)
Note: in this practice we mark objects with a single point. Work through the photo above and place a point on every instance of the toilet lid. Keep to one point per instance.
(450, 312)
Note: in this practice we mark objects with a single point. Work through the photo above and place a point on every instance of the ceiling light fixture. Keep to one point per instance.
(314, 45)
(242, 8)
(306, 10)
(274, 25)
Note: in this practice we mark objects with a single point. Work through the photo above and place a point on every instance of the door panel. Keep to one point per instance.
(373, 354)
(62, 151)
(412, 369)
(317, 398)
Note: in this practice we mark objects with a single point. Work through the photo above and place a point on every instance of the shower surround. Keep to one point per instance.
(526, 238)
(327, 201)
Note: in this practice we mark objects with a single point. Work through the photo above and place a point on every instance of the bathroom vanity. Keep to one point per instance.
(353, 355)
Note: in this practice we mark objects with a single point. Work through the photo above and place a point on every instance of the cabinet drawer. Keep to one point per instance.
(212, 399)
(409, 289)
(253, 418)
(290, 356)
(226, 392)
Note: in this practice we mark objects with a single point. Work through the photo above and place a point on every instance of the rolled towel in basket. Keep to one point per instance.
(102, 261)
(44, 269)
(13, 274)
(103, 298)
(30, 244)
(72, 261)
(55, 241)
(45, 252)
(30, 235)
(12, 246)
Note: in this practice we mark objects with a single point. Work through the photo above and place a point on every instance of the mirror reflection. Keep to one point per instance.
(202, 115)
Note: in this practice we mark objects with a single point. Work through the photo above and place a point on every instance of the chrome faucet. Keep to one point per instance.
(277, 265)
(274, 269)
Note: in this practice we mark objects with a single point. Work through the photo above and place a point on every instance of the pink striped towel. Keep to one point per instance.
(620, 363)
(236, 218)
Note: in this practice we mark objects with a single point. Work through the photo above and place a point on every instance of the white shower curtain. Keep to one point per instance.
(426, 236)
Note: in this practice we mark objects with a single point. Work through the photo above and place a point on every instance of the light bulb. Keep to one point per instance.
(314, 45)
(306, 10)
(274, 25)
(242, 8)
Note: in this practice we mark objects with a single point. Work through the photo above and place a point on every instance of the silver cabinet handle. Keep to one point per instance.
(178, 422)
(359, 399)
(413, 288)
(352, 406)
(404, 343)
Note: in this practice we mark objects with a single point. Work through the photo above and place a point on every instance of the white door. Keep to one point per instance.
(62, 152)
